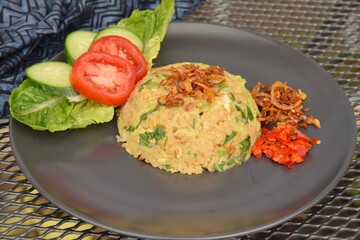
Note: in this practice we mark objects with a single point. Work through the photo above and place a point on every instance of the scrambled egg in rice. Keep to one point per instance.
(178, 122)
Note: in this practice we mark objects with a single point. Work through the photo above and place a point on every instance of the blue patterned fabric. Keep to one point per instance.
(34, 30)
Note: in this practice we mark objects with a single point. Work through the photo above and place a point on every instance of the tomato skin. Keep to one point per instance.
(119, 46)
(103, 78)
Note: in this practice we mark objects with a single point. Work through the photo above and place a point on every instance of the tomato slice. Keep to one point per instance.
(122, 47)
(103, 78)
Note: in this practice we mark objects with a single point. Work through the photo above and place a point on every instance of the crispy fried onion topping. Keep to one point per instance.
(191, 80)
(280, 103)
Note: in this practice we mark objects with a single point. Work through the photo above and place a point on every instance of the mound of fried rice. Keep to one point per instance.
(189, 117)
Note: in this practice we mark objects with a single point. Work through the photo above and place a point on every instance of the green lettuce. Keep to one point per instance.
(150, 26)
(45, 111)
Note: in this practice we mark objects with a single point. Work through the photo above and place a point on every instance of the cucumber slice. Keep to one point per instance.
(52, 77)
(122, 33)
(77, 43)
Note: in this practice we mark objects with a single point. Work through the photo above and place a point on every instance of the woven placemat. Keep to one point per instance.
(327, 31)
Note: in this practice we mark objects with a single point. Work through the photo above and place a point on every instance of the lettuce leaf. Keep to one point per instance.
(44, 111)
(150, 26)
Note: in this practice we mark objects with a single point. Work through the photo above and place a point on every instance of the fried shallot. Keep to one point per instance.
(281, 103)
(191, 80)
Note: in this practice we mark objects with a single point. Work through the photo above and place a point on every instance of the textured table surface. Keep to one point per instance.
(327, 31)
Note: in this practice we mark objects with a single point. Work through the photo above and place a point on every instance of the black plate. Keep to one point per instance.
(86, 173)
